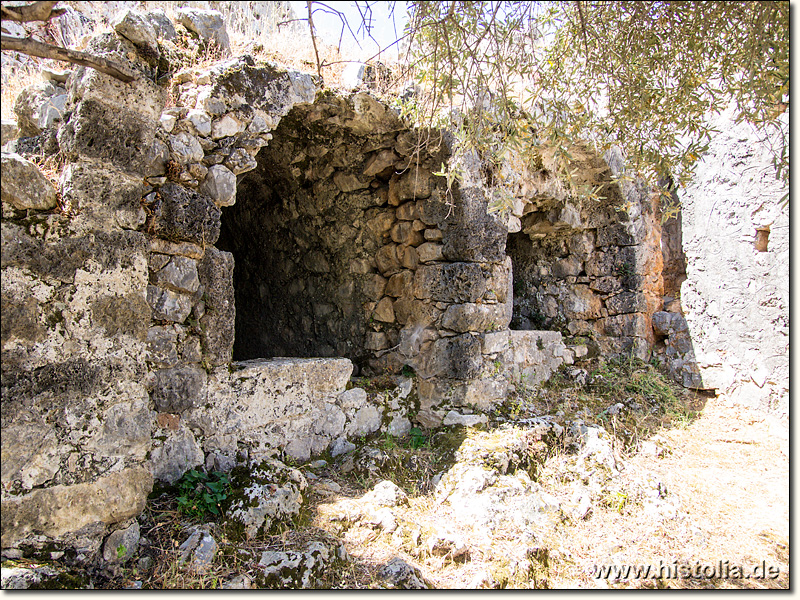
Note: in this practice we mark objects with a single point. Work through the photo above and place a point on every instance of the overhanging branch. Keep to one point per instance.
(33, 48)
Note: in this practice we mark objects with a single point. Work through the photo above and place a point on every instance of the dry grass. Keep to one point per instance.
(731, 479)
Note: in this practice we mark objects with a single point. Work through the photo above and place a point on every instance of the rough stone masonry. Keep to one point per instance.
(206, 278)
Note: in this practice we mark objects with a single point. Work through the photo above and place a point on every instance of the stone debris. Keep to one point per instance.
(400, 575)
(270, 493)
(122, 544)
(385, 493)
(300, 569)
(24, 186)
(199, 548)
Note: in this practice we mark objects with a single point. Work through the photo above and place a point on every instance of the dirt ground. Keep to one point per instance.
(727, 472)
(729, 469)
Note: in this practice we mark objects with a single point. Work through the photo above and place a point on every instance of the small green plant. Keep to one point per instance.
(418, 439)
(624, 270)
(540, 344)
(121, 552)
(407, 371)
(200, 493)
(616, 501)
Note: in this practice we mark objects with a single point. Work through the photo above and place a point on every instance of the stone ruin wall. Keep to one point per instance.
(310, 225)
(736, 294)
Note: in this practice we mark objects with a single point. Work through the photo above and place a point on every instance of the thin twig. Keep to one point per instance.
(313, 37)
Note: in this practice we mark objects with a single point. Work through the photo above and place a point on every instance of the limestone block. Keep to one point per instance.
(349, 182)
(566, 267)
(300, 569)
(180, 275)
(185, 215)
(621, 234)
(331, 423)
(626, 302)
(270, 493)
(226, 126)
(38, 106)
(415, 183)
(374, 287)
(8, 131)
(453, 283)
(24, 186)
(162, 346)
(366, 420)
(262, 87)
(134, 26)
(200, 120)
(430, 252)
(60, 258)
(383, 311)
(400, 284)
(208, 24)
(371, 116)
(379, 162)
(582, 303)
(495, 341)
(62, 512)
(177, 389)
(400, 575)
(408, 310)
(376, 341)
(407, 211)
(668, 323)
(408, 257)
(380, 224)
(472, 233)
(186, 148)
(220, 186)
(168, 305)
(30, 453)
(606, 284)
(403, 232)
(456, 357)
(628, 325)
(455, 418)
(475, 317)
(534, 354)
(216, 276)
(117, 135)
(352, 399)
(433, 235)
(103, 196)
(122, 544)
(176, 248)
(161, 23)
(386, 260)
(126, 430)
(240, 161)
(179, 453)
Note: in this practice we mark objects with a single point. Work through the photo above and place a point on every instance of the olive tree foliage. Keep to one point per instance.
(527, 78)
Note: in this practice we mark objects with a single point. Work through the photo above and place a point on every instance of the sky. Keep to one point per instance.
(386, 28)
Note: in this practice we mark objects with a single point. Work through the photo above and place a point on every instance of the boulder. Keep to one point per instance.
(208, 24)
(137, 28)
(266, 494)
(24, 186)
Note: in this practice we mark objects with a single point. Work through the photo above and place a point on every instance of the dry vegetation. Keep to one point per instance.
(724, 468)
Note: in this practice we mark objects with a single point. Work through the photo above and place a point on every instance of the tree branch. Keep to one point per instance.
(37, 11)
(313, 37)
(33, 48)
